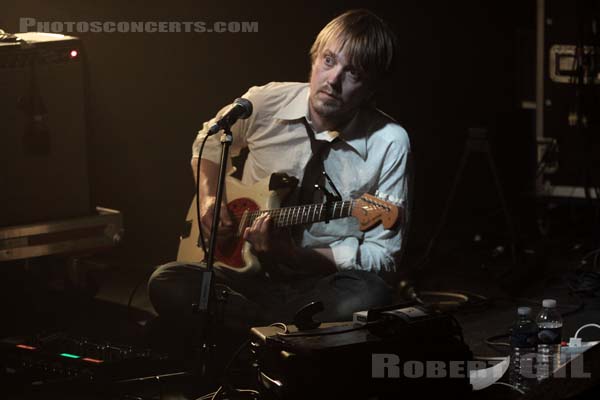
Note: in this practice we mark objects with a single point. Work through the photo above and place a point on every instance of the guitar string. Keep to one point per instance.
(283, 217)
(298, 213)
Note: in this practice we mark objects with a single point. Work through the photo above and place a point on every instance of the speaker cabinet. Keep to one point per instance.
(43, 146)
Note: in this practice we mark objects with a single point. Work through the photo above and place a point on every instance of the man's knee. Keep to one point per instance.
(172, 286)
(366, 286)
(378, 291)
(357, 291)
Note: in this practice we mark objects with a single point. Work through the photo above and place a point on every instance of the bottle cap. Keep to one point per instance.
(523, 311)
(549, 303)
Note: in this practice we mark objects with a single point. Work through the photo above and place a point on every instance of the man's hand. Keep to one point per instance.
(208, 185)
(277, 244)
(207, 207)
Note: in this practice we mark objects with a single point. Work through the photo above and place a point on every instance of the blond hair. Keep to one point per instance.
(366, 38)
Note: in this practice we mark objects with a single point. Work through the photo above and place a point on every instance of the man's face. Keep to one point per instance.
(337, 88)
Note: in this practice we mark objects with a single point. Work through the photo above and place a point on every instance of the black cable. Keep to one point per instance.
(201, 240)
(235, 356)
(589, 254)
(225, 386)
(491, 341)
(513, 387)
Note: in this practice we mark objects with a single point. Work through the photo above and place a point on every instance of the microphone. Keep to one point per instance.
(241, 109)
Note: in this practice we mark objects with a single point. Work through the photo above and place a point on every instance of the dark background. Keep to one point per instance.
(463, 64)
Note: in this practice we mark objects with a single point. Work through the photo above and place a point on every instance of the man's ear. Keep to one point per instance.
(370, 99)
(376, 86)
(310, 70)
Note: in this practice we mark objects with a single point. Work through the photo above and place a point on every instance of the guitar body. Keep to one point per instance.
(235, 254)
(248, 202)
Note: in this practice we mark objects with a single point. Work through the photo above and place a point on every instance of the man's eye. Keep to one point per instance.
(328, 60)
(354, 74)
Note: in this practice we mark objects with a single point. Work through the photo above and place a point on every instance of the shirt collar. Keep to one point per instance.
(354, 133)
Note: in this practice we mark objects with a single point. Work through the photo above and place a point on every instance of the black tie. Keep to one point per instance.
(313, 172)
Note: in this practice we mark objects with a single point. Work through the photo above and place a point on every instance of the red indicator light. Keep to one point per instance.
(73, 53)
(24, 346)
(92, 360)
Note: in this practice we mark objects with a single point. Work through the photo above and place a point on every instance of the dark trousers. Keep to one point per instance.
(258, 300)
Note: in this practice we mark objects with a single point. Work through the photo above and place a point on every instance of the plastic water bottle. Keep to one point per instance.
(523, 341)
(550, 325)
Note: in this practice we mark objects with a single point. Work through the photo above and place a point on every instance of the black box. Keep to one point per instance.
(43, 144)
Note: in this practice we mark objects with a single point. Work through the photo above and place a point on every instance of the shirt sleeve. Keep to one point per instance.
(240, 130)
(379, 249)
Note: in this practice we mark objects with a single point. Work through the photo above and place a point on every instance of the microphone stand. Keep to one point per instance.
(205, 305)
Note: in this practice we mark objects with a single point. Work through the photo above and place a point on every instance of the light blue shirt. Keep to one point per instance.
(371, 156)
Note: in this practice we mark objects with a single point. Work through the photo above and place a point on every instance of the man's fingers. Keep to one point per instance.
(258, 233)
(259, 222)
(268, 223)
(225, 217)
(206, 221)
(252, 237)
(225, 228)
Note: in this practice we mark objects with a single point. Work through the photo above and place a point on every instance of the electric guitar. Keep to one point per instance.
(247, 202)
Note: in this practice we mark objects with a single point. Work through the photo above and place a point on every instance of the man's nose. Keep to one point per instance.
(334, 78)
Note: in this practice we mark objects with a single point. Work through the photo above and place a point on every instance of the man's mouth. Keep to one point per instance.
(329, 94)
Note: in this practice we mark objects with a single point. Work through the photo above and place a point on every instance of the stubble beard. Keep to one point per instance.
(328, 110)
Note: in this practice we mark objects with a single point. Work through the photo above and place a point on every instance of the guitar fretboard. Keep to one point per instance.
(298, 215)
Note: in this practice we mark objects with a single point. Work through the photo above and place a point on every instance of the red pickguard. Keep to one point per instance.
(230, 252)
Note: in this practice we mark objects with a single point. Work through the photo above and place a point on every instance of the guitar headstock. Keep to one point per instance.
(370, 211)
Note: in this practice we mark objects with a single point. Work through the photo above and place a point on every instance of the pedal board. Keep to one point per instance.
(345, 360)
(61, 360)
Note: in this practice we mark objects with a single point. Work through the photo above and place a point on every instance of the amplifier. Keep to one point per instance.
(43, 144)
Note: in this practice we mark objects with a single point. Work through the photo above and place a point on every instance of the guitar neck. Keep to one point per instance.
(306, 214)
